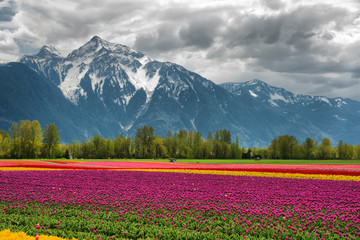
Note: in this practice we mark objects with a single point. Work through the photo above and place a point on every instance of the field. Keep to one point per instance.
(235, 161)
(51, 199)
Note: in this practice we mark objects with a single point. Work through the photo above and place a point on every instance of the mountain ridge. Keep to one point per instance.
(114, 89)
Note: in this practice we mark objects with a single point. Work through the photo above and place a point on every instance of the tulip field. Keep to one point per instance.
(46, 199)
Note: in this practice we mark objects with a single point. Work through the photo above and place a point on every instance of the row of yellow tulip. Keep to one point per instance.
(255, 174)
(9, 235)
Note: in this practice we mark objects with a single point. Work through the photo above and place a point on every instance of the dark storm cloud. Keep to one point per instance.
(327, 83)
(288, 27)
(296, 41)
(182, 27)
(8, 11)
(252, 30)
(290, 42)
(197, 34)
(200, 33)
(320, 85)
(274, 4)
(164, 39)
(299, 40)
(81, 21)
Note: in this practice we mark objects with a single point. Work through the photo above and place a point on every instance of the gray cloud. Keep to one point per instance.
(322, 85)
(291, 42)
(274, 4)
(300, 44)
(80, 22)
(164, 39)
(200, 32)
(8, 11)
(181, 28)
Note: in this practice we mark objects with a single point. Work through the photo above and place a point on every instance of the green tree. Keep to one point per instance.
(107, 149)
(36, 137)
(25, 138)
(348, 151)
(309, 148)
(5, 144)
(85, 149)
(341, 149)
(100, 148)
(122, 147)
(206, 149)
(357, 152)
(325, 149)
(51, 141)
(170, 144)
(274, 149)
(15, 140)
(284, 147)
(196, 147)
(66, 154)
(144, 138)
(75, 149)
(160, 150)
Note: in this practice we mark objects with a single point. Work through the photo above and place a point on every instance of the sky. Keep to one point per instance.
(307, 47)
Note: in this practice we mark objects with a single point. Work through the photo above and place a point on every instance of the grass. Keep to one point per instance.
(230, 161)
(270, 161)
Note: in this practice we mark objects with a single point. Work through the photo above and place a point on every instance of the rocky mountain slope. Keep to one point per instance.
(108, 89)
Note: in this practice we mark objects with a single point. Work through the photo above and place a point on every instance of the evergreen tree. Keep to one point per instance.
(66, 154)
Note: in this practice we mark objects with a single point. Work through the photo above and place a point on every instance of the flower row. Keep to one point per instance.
(255, 174)
(9, 235)
(175, 205)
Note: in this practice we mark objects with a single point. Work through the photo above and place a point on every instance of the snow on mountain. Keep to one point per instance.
(108, 89)
(278, 96)
(113, 84)
(96, 60)
(336, 118)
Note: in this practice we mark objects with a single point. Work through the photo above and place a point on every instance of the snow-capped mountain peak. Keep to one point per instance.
(89, 49)
(107, 89)
(48, 52)
(97, 62)
(276, 97)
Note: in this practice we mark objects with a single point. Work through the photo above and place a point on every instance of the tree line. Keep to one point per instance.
(288, 147)
(28, 140)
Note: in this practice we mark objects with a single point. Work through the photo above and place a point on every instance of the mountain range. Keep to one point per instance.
(108, 89)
